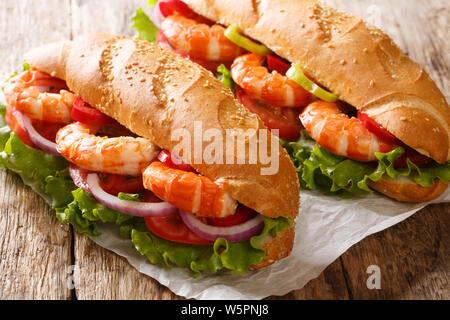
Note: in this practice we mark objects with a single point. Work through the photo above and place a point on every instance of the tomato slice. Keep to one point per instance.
(377, 129)
(45, 129)
(170, 7)
(284, 119)
(242, 215)
(46, 83)
(15, 125)
(212, 66)
(84, 113)
(172, 228)
(411, 154)
(166, 158)
(115, 184)
(275, 63)
(415, 157)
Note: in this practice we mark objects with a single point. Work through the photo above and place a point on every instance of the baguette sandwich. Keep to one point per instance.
(354, 112)
(91, 125)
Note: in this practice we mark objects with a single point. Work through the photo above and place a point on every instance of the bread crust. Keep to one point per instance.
(277, 248)
(153, 92)
(356, 61)
(409, 191)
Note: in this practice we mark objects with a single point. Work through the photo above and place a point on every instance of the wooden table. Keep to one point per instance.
(37, 252)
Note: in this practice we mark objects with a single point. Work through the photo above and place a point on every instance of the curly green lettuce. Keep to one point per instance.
(144, 26)
(223, 255)
(318, 168)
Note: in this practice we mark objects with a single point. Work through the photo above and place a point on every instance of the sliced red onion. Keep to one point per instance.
(156, 16)
(133, 208)
(36, 138)
(79, 176)
(238, 233)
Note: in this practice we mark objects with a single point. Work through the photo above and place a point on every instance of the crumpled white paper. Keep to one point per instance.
(326, 228)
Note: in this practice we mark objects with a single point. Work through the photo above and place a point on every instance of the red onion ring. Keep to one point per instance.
(79, 176)
(156, 16)
(133, 208)
(238, 233)
(36, 138)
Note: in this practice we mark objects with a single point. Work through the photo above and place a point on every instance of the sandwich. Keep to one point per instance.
(92, 125)
(354, 112)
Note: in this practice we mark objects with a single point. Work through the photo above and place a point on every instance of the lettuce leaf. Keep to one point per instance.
(223, 255)
(145, 28)
(224, 75)
(318, 168)
(47, 174)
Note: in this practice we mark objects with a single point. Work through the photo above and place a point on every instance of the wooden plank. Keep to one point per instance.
(330, 285)
(35, 250)
(413, 258)
(413, 263)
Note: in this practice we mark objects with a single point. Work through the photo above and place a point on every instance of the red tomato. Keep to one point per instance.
(415, 157)
(377, 129)
(115, 184)
(166, 157)
(411, 154)
(287, 122)
(172, 228)
(45, 129)
(278, 64)
(46, 83)
(242, 215)
(170, 7)
(84, 113)
(16, 126)
(212, 66)
(115, 129)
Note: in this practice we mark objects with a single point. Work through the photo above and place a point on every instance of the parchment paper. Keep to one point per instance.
(326, 228)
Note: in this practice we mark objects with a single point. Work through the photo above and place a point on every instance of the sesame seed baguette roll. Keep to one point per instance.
(153, 92)
(357, 62)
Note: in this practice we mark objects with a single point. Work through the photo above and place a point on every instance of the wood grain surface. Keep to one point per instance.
(37, 252)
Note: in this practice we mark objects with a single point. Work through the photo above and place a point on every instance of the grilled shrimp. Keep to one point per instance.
(343, 136)
(188, 191)
(199, 40)
(272, 88)
(26, 93)
(123, 155)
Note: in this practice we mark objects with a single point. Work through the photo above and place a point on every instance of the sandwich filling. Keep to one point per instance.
(334, 147)
(93, 170)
